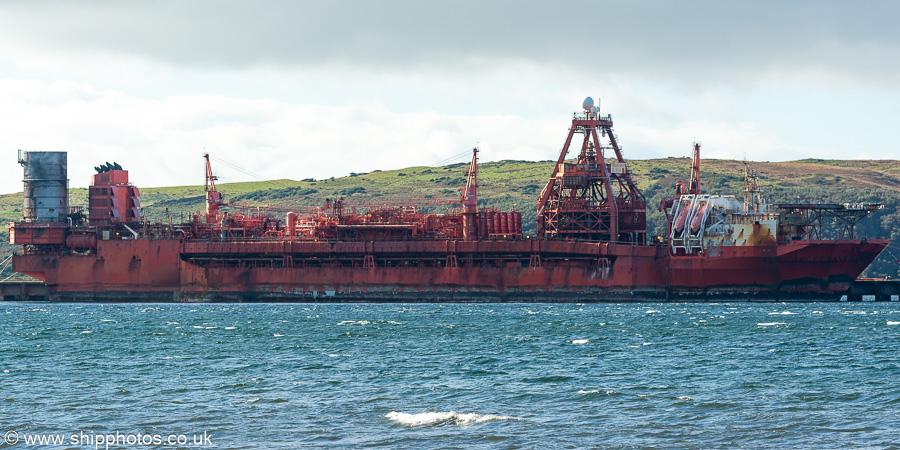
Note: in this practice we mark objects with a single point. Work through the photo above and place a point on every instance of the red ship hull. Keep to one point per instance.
(590, 242)
(531, 271)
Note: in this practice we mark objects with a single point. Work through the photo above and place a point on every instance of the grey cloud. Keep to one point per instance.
(660, 39)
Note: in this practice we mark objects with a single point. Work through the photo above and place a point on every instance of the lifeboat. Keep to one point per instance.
(698, 217)
(682, 215)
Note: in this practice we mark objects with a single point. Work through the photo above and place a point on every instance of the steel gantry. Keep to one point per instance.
(592, 199)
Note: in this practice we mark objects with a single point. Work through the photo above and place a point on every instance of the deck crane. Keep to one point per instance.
(213, 197)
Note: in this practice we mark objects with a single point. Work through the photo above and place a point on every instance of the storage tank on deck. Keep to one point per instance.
(46, 186)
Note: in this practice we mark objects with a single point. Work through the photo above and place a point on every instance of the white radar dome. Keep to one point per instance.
(587, 104)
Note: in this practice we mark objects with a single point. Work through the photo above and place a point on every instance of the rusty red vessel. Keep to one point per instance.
(591, 242)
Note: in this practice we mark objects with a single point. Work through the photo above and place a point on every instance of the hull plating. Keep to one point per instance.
(501, 271)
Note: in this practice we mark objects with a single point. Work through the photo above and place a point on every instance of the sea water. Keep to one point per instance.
(452, 375)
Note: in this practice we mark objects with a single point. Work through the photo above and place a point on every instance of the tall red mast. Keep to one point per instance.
(469, 199)
(213, 197)
(469, 196)
(694, 186)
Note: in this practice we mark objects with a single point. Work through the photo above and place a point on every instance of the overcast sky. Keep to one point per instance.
(314, 89)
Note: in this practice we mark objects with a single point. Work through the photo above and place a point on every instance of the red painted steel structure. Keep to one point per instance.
(213, 197)
(112, 199)
(694, 184)
(591, 246)
(591, 199)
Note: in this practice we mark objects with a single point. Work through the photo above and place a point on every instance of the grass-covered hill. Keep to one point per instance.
(516, 185)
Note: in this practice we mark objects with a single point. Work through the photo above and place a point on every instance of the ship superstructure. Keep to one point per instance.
(591, 242)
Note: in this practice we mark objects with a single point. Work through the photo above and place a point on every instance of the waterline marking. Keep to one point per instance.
(105, 440)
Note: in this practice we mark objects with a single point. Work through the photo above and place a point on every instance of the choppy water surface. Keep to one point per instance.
(457, 376)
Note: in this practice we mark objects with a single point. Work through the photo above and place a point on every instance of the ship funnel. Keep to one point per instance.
(46, 193)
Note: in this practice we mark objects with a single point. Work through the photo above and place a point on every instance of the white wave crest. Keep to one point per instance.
(597, 391)
(769, 324)
(580, 341)
(893, 323)
(783, 313)
(440, 418)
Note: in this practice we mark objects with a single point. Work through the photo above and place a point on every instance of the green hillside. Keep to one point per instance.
(516, 185)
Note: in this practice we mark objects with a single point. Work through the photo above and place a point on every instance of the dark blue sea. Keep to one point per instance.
(451, 375)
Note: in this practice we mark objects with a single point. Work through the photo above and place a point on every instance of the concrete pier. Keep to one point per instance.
(883, 290)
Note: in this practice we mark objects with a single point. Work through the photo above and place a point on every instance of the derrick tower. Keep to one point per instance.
(593, 198)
